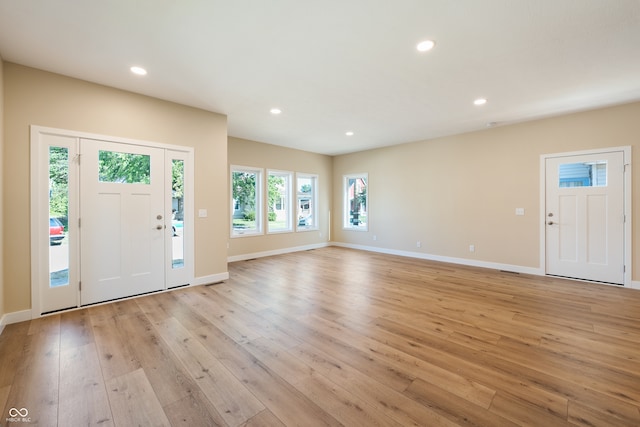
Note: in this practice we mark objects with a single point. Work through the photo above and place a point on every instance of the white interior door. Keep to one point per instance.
(585, 216)
(122, 220)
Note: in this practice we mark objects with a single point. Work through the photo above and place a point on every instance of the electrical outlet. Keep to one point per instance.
(472, 248)
(418, 244)
(375, 237)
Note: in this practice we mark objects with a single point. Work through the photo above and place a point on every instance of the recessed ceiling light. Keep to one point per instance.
(349, 133)
(139, 71)
(426, 45)
(480, 101)
(276, 111)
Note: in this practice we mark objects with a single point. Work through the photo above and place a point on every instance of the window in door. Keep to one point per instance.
(356, 201)
(125, 168)
(58, 216)
(279, 212)
(246, 194)
(306, 193)
(589, 174)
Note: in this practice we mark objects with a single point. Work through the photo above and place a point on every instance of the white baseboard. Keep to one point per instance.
(461, 261)
(15, 317)
(245, 257)
(212, 278)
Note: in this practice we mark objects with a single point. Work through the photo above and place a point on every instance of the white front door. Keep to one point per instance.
(585, 216)
(122, 220)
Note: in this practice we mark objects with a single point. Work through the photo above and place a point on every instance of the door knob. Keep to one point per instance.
(551, 223)
(550, 214)
(158, 227)
(159, 217)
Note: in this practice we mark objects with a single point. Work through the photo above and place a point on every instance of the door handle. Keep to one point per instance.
(551, 223)
(158, 227)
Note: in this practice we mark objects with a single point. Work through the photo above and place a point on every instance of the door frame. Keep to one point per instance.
(628, 259)
(40, 206)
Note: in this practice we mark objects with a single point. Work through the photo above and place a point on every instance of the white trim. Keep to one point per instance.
(207, 280)
(253, 255)
(345, 201)
(260, 197)
(452, 260)
(289, 200)
(37, 165)
(15, 317)
(25, 315)
(109, 138)
(628, 201)
(315, 192)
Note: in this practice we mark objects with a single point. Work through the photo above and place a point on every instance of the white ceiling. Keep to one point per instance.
(342, 65)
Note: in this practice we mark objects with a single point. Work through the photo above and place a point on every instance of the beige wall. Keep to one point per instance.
(2, 310)
(34, 97)
(256, 154)
(456, 191)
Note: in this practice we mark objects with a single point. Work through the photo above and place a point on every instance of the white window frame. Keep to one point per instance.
(259, 201)
(314, 203)
(288, 200)
(346, 209)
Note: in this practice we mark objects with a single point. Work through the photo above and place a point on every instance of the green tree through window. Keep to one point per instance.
(58, 182)
(124, 168)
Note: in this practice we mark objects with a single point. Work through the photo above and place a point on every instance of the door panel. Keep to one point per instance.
(585, 216)
(122, 220)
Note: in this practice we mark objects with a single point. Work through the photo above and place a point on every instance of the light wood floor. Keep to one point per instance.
(336, 337)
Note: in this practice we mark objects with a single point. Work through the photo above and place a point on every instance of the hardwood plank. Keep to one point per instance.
(75, 329)
(524, 412)
(115, 349)
(457, 409)
(341, 404)
(35, 385)
(336, 336)
(279, 360)
(169, 379)
(12, 347)
(393, 404)
(220, 316)
(232, 400)
(82, 386)
(193, 410)
(264, 419)
(411, 367)
(45, 325)
(133, 401)
(583, 415)
(280, 397)
(4, 395)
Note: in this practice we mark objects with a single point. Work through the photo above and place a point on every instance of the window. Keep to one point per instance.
(177, 213)
(306, 193)
(356, 201)
(279, 212)
(592, 174)
(58, 216)
(246, 194)
(125, 168)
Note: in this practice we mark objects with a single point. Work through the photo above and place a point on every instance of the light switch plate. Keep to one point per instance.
(202, 213)
(520, 211)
